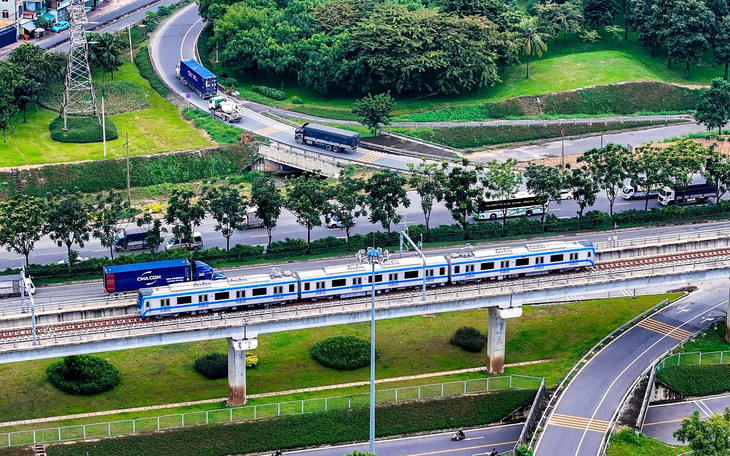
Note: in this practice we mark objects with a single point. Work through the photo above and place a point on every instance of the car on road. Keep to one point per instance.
(79, 259)
(197, 243)
(60, 26)
(337, 223)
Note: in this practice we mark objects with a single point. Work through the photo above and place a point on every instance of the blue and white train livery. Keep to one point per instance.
(280, 287)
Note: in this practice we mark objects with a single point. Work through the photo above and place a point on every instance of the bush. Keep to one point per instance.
(270, 92)
(342, 352)
(310, 429)
(83, 375)
(468, 338)
(82, 130)
(219, 132)
(296, 100)
(215, 365)
(144, 65)
(697, 380)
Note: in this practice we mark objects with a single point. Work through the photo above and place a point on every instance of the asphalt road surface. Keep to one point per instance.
(582, 414)
(662, 420)
(478, 442)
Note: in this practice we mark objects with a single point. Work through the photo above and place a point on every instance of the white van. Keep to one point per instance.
(197, 243)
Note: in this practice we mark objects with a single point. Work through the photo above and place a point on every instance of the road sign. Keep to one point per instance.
(188, 95)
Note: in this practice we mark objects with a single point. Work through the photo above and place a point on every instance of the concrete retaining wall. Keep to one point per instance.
(670, 247)
(68, 315)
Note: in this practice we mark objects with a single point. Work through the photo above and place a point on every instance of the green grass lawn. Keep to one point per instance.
(408, 346)
(574, 65)
(627, 443)
(158, 128)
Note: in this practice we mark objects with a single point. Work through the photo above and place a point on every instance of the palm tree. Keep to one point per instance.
(105, 51)
(531, 39)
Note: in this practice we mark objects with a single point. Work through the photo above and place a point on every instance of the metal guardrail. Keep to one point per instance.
(682, 236)
(694, 359)
(532, 417)
(256, 412)
(52, 304)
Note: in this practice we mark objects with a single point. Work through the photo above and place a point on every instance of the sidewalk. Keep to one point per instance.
(262, 395)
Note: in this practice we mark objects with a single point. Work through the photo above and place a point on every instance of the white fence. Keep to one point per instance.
(695, 358)
(254, 412)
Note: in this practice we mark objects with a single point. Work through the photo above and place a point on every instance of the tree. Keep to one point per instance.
(597, 13)
(68, 220)
(531, 40)
(267, 199)
(306, 198)
(706, 438)
(106, 212)
(713, 108)
(427, 180)
(155, 231)
(690, 23)
(650, 19)
(26, 91)
(23, 220)
(374, 111)
(546, 183)
(8, 104)
(721, 44)
(183, 215)
(34, 67)
(717, 172)
(501, 182)
(347, 201)
(228, 209)
(681, 160)
(617, 31)
(105, 52)
(565, 17)
(646, 169)
(460, 189)
(583, 189)
(608, 166)
(386, 193)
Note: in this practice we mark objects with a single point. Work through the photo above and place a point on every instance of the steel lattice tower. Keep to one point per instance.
(79, 98)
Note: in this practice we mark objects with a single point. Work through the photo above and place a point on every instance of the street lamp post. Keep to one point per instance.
(373, 257)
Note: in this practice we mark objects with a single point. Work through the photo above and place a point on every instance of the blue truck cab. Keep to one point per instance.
(130, 277)
(194, 75)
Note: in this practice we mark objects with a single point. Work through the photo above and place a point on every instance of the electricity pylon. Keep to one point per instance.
(78, 98)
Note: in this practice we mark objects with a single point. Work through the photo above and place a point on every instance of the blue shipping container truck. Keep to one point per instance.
(197, 77)
(128, 277)
(333, 139)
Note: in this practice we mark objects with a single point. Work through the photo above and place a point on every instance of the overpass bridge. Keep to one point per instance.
(503, 298)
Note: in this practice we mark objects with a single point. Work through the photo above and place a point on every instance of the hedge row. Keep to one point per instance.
(474, 137)
(144, 65)
(82, 130)
(697, 380)
(270, 92)
(481, 231)
(100, 175)
(310, 429)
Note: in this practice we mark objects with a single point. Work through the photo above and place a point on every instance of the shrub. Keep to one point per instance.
(270, 92)
(144, 65)
(296, 100)
(697, 380)
(219, 132)
(82, 130)
(83, 375)
(152, 208)
(468, 338)
(342, 352)
(215, 365)
(228, 83)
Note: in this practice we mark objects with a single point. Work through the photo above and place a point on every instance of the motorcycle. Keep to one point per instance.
(277, 453)
(459, 435)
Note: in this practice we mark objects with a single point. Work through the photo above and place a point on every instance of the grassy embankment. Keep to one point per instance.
(627, 443)
(409, 346)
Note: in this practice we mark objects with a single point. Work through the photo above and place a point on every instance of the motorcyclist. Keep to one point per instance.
(277, 453)
(460, 434)
(494, 452)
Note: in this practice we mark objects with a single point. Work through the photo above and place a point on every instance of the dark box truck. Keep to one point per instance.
(129, 277)
(332, 138)
(131, 239)
(197, 77)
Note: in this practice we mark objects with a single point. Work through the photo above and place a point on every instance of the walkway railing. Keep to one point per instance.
(255, 412)
(695, 358)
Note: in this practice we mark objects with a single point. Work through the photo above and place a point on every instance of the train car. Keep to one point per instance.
(541, 258)
(355, 279)
(260, 290)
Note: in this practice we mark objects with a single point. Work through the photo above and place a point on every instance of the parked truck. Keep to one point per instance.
(225, 109)
(637, 191)
(694, 193)
(332, 139)
(197, 77)
(130, 277)
(10, 285)
(131, 239)
(251, 220)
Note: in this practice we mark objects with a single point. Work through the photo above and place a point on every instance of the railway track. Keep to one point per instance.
(129, 322)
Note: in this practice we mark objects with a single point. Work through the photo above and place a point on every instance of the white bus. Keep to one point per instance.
(521, 204)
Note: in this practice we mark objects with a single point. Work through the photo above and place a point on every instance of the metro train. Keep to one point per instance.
(280, 287)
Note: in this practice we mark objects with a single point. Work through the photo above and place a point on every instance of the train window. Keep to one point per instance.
(442, 271)
(258, 292)
(573, 256)
(357, 281)
(522, 261)
(457, 269)
(202, 298)
(165, 302)
(589, 254)
(429, 273)
(487, 266)
(504, 264)
(470, 268)
(241, 294)
(339, 283)
(222, 296)
(291, 288)
(184, 300)
(539, 260)
(410, 274)
(378, 278)
(306, 286)
(556, 258)
(320, 285)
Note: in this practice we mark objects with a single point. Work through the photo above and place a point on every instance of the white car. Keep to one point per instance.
(336, 223)
(197, 243)
(79, 259)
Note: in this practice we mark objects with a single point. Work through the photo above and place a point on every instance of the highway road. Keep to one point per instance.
(662, 420)
(478, 442)
(582, 415)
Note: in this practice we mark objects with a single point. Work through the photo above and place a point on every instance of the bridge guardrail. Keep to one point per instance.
(685, 236)
(15, 308)
(254, 412)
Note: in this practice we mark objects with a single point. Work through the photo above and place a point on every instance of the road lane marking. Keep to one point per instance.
(185, 37)
(268, 131)
(371, 157)
(704, 408)
(664, 329)
(664, 422)
(579, 422)
(452, 450)
(259, 235)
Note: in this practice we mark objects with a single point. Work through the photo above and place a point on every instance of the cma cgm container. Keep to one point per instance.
(197, 77)
(130, 277)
